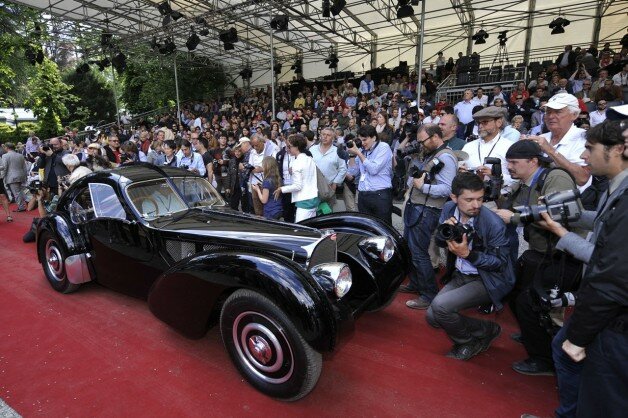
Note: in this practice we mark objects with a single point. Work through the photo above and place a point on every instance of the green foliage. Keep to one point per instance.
(95, 98)
(148, 81)
(49, 98)
(8, 133)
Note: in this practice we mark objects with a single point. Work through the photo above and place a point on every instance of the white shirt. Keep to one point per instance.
(430, 120)
(620, 79)
(596, 117)
(464, 112)
(367, 86)
(497, 147)
(255, 160)
(303, 185)
(571, 147)
(193, 161)
(482, 101)
(288, 160)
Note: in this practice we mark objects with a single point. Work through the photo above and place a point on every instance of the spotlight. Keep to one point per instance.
(558, 25)
(31, 55)
(37, 31)
(200, 20)
(277, 68)
(164, 8)
(83, 68)
(480, 37)
(154, 45)
(176, 15)
(297, 67)
(229, 38)
(105, 39)
(502, 37)
(337, 7)
(246, 74)
(119, 62)
(404, 9)
(326, 8)
(193, 40)
(204, 32)
(279, 23)
(332, 60)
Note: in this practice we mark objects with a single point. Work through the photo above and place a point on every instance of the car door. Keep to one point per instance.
(122, 252)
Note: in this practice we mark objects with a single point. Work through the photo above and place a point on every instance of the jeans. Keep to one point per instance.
(461, 292)
(420, 223)
(568, 374)
(377, 203)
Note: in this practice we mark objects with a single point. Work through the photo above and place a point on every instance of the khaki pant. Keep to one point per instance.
(351, 200)
(258, 206)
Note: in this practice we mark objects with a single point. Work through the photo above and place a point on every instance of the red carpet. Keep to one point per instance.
(97, 353)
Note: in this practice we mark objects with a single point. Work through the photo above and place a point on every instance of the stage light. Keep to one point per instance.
(279, 23)
(337, 7)
(480, 37)
(277, 68)
(192, 41)
(83, 68)
(297, 66)
(164, 8)
(200, 20)
(154, 45)
(404, 9)
(229, 38)
(105, 39)
(169, 47)
(326, 8)
(119, 62)
(332, 60)
(204, 32)
(246, 73)
(502, 37)
(558, 25)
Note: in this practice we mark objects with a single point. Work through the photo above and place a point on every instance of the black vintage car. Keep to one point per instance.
(282, 293)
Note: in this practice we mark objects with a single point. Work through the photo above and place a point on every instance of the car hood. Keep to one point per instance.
(232, 228)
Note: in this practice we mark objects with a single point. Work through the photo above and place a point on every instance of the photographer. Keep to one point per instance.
(542, 265)
(191, 160)
(479, 270)
(594, 387)
(50, 162)
(430, 186)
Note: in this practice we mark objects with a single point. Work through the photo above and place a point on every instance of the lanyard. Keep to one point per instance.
(490, 152)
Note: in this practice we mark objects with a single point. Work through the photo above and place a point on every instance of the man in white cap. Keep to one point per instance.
(564, 143)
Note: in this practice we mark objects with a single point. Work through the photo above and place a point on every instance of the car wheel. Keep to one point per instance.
(266, 347)
(53, 260)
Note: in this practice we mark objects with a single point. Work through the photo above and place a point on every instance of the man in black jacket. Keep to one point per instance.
(566, 62)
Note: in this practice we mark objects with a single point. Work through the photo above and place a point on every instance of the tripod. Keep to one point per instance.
(501, 55)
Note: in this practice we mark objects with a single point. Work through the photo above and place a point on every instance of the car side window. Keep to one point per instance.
(81, 208)
(106, 202)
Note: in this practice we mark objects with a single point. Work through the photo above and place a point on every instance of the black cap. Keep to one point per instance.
(524, 149)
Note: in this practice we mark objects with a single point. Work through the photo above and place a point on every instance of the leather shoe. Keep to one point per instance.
(406, 288)
(419, 303)
(533, 367)
(465, 351)
(491, 336)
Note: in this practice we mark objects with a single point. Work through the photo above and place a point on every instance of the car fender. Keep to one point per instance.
(192, 291)
(69, 239)
(361, 224)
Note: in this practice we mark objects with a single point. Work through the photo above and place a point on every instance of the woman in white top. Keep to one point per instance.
(303, 188)
(73, 164)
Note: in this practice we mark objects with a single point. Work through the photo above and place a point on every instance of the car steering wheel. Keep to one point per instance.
(140, 201)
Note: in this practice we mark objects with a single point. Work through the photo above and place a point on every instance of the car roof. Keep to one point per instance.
(142, 172)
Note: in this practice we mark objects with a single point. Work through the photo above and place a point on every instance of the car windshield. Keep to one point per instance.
(155, 198)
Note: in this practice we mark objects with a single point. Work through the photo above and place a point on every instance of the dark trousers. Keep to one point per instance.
(537, 340)
(462, 292)
(568, 374)
(420, 222)
(377, 203)
(234, 199)
(289, 209)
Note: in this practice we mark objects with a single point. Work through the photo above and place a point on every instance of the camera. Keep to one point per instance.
(354, 142)
(563, 206)
(184, 166)
(448, 232)
(416, 172)
(412, 148)
(45, 148)
(124, 158)
(472, 138)
(493, 186)
(35, 186)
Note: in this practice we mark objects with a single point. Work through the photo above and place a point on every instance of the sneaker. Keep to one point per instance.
(406, 288)
(491, 336)
(466, 351)
(419, 303)
(533, 367)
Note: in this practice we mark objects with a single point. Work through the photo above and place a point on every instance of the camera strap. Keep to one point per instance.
(490, 152)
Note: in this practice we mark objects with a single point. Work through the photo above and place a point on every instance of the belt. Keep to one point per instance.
(374, 191)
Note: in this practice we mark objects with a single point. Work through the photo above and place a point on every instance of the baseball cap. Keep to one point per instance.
(617, 112)
(243, 140)
(524, 149)
(561, 100)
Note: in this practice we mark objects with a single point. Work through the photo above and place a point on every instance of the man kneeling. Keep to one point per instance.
(479, 269)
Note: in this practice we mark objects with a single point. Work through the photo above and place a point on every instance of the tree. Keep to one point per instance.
(95, 97)
(49, 98)
(148, 81)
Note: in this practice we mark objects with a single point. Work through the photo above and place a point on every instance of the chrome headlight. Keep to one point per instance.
(338, 276)
(381, 248)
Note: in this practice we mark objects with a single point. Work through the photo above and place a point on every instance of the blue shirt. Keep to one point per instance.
(463, 265)
(272, 208)
(376, 170)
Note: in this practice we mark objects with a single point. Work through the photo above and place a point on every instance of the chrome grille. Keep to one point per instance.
(325, 252)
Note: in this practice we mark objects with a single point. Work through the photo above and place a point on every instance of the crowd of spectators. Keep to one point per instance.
(376, 141)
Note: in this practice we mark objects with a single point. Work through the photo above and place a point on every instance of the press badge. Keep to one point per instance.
(362, 177)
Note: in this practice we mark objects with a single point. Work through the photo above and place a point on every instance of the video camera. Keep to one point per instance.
(562, 206)
(355, 141)
(35, 186)
(448, 232)
(493, 186)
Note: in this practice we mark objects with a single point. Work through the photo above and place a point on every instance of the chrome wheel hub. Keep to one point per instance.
(260, 349)
(54, 260)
